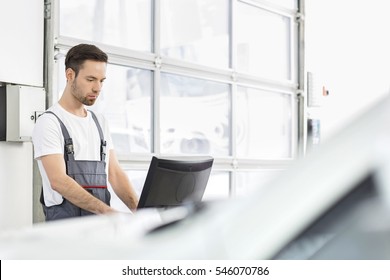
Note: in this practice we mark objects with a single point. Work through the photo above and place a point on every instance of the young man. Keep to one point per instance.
(73, 146)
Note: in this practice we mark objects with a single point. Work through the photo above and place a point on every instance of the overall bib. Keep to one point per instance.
(90, 174)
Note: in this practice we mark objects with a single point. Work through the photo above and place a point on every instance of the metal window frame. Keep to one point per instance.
(55, 45)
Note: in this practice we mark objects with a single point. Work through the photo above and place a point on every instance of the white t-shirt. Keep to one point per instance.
(48, 139)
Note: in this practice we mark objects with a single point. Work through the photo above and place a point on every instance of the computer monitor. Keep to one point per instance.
(175, 181)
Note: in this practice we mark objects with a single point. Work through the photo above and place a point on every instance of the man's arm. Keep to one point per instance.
(63, 184)
(120, 183)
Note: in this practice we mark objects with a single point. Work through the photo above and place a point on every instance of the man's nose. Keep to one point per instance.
(97, 86)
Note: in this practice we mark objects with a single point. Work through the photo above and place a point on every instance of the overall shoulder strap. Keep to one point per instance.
(69, 150)
(103, 143)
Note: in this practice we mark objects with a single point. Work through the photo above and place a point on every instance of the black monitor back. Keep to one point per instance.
(175, 181)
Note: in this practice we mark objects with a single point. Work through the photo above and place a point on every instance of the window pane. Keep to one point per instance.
(194, 116)
(263, 43)
(116, 22)
(249, 181)
(126, 102)
(217, 186)
(290, 4)
(196, 31)
(264, 124)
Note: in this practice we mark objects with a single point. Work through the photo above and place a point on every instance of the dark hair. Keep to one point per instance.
(82, 52)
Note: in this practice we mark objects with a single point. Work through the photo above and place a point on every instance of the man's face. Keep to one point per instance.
(87, 85)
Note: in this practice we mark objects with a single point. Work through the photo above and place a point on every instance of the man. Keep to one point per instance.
(72, 145)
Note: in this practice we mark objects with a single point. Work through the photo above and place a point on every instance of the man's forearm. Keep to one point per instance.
(77, 195)
(124, 190)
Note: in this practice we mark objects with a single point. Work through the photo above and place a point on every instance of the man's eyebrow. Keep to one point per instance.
(95, 78)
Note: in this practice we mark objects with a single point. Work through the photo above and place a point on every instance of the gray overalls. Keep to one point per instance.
(91, 175)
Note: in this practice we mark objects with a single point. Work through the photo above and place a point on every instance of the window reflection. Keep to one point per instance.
(264, 124)
(290, 4)
(217, 186)
(126, 103)
(119, 23)
(248, 182)
(263, 43)
(196, 31)
(194, 116)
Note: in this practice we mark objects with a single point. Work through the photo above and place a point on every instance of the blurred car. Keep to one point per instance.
(332, 204)
(188, 125)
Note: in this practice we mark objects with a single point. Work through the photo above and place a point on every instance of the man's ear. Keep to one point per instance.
(69, 74)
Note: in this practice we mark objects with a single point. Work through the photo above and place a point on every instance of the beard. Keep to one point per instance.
(78, 94)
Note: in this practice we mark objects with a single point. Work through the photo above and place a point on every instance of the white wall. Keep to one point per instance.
(348, 49)
(21, 55)
(21, 62)
(16, 185)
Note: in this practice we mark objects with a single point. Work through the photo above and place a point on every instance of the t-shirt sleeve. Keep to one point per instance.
(47, 136)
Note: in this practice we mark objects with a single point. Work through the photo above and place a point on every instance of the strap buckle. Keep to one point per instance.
(69, 146)
(103, 145)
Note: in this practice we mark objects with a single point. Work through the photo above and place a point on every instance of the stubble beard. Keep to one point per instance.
(79, 95)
